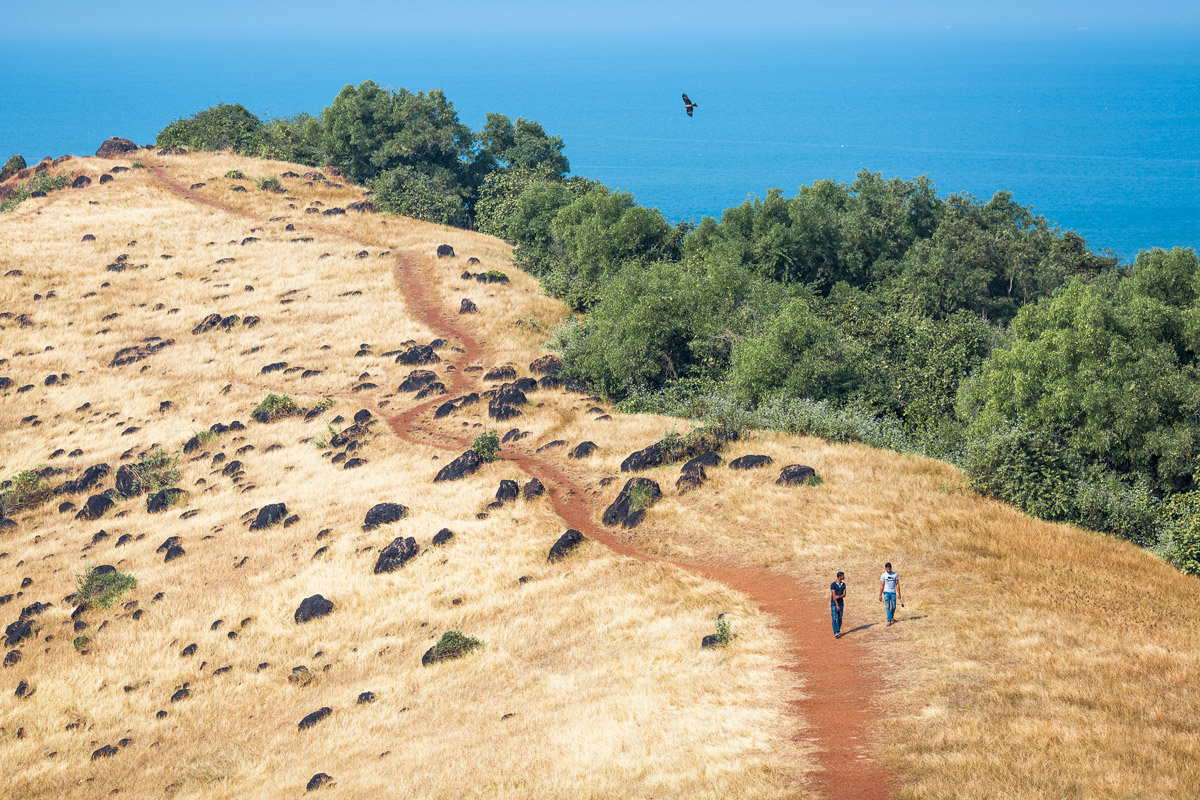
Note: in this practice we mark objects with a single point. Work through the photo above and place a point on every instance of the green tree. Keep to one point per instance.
(431, 196)
(224, 126)
(524, 145)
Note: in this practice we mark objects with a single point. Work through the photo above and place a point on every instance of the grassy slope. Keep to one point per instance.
(1032, 660)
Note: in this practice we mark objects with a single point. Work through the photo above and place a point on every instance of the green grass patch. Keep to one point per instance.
(27, 489)
(81, 642)
(236, 174)
(269, 183)
(495, 276)
(156, 470)
(641, 496)
(274, 406)
(138, 164)
(40, 182)
(454, 644)
(487, 445)
(101, 590)
(709, 438)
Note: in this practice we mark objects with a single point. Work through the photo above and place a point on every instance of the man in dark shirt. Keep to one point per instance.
(837, 597)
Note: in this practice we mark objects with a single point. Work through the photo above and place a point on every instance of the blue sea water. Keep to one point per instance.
(1098, 134)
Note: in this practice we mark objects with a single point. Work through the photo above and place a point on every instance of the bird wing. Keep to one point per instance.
(687, 101)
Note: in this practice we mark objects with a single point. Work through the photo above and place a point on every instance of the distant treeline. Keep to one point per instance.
(1059, 379)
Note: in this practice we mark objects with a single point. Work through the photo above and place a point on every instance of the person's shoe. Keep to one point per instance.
(889, 623)
(837, 636)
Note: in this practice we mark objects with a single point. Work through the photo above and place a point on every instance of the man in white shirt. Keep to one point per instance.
(889, 590)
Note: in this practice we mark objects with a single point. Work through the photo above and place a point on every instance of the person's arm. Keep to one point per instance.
(898, 598)
(881, 590)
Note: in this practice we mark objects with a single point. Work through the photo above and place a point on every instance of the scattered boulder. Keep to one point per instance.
(115, 147)
(90, 478)
(533, 489)
(127, 481)
(315, 717)
(646, 458)
(445, 410)
(500, 374)
(12, 658)
(164, 499)
(442, 536)
(690, 480)
(505, 404)
(80, 182)
(382, 514)
(466, 464)
(750, 462)
(269, 515)
(104, 752)
(565, 544)
(796, 475)
(317, 781)
(507, 492)
(417, 379)
(95, 507)
(582, 450)
(18, 632)
(445, 251)
(624, 511)
(396, 554)
(546, 365)
(418, 354)
(467, 307)
(11, 167)
(312, 608)
(702, 460)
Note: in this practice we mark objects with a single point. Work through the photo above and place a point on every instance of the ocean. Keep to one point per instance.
(1099, 134)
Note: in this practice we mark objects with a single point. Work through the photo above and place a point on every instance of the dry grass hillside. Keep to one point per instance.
(1031, 660)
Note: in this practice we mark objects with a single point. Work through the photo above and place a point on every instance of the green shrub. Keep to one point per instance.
(26, 489)
(40, 182)
(722, 634)
(495, 276)
(432, 196)
(274, 406)
(102, 590)
(204, 436)
(138, 165)
(156, 470)
(269, 183)
(454, 644)
(224, 126)
(324, 405)
(641, 497)
(236, 174)
(322, 441)
(487, 445)
(14, 165)
(80, 642)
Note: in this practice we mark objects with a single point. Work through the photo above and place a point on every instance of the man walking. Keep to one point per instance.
(889, 590)
(837, 596)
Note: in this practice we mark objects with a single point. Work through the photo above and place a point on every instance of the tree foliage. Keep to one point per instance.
(222, 127)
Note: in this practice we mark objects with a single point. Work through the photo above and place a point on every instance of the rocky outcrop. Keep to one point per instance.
(115, 148)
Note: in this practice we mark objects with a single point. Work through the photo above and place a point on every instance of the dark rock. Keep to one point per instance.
(115, 147)
(382, 514)
(546, 365)
(105, 178)
(80, 182)
(130, 355)
(180, 694)
(622, 508)
(582, 450)
(396, 554)
(35, 609)
(361, 416)
(634, 519)
(365, 697)
(315, 717)
(164, 499)
(710, 641)
(330, 212)
(442, 536)
(192, 445)
(24, 691)
(700, 461)
(690, 480)
(11, 167)
(104, 752)
(418, 354)
(533, 489)
(188, 651)
(526, 384)
(95, 507)
(550, 445)
(500, 374)
(750, 462)
(127, 482)
(91, 477)
(646, 458)
(445, 251)
(12, 658)
(321, 778)
(507, 492)
(278, 365)
(269, 515)
(796, 475)
(312, 608)
(466, 464)
(173, 552)
(354, 463)
(437, 387)
(444, 410)
(565, 544)
(467, 307)
(17, 632)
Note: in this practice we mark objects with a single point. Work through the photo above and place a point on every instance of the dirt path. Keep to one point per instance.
(841, 686)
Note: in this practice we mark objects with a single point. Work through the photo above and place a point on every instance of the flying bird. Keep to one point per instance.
(688, 105)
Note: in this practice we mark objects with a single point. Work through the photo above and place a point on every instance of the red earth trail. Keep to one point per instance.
(841, 686)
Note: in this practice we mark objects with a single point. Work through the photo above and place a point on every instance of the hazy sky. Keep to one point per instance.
(224, 19)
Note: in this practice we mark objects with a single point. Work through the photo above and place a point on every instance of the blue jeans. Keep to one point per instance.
(889, 600)
(835, 611)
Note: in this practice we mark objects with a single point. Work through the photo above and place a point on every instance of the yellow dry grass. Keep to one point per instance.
(595, 658)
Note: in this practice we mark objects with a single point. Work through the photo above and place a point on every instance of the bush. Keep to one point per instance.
(26, 489)
(80, 642)
(236, 174)
(40, 182)
(269, 183)
(274, 406)
(487, 446)
(496, 276)
(453, 644)
(138, 165)
(224, 126)
(156, 470)
(721, 636)
(101, 590)
(641, 497)
(412, 192)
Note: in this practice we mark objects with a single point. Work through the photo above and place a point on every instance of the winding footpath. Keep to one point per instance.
(840, 685)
